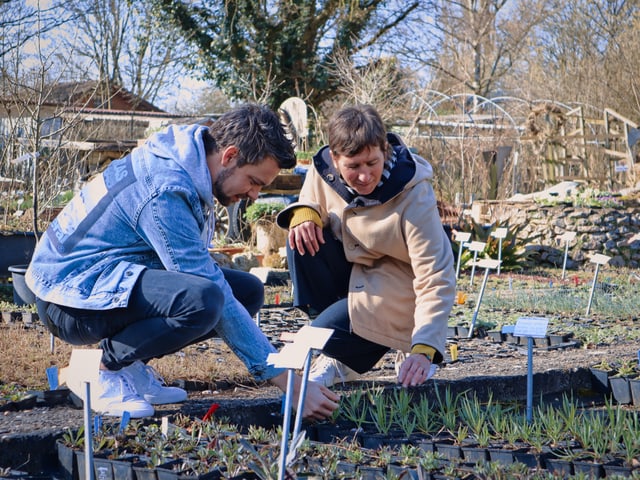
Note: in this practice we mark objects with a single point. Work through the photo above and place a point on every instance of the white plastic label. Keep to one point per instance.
(535, 327)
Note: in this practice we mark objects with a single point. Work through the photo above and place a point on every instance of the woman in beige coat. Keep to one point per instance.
(367, 249)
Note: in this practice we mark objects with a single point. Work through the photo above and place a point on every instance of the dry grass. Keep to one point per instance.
(25, 355)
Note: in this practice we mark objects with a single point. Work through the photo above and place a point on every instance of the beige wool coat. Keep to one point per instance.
(402, 283)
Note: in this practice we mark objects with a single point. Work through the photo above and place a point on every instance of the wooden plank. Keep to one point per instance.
(616, 154)
(565, 138)
(285, 183)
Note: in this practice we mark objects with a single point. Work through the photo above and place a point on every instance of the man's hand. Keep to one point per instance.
(319, 402)
(306, 237)
(414, 370)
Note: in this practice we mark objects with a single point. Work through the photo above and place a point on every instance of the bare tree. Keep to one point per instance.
(126, 43)
(585, 53)
(21, 22)
(472, 45)
(34, 136)
(380, 82)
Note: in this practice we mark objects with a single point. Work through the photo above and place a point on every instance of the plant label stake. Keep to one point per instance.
(475, 247)
(462, 238)
(567, 238)
(500, 234)
(530, 327)
(296, 355)
(488, 264)
(124, 421)
(598, 259)
(52, 377)
(88, 441)
(83, 370)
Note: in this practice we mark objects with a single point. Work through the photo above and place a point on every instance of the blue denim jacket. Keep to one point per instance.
(149, 209)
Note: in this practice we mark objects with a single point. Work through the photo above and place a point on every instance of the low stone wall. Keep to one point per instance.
(610, 231)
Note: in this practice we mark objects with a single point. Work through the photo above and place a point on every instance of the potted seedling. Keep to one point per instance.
(268, 237)
(600, 373)
(619, 382)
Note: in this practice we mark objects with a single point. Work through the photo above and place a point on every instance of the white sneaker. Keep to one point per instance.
(114, 395)
(401, 357)
(329, 371)
(150, 385)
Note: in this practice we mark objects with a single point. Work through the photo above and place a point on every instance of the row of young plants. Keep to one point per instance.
(388, 434)
(607, 436)
(12, 313)
(615, 299)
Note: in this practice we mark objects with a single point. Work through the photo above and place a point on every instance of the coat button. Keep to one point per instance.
(128, 273)
(116, 299)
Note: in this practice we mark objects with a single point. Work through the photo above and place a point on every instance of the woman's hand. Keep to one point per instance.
(306, 237)
(414, 370)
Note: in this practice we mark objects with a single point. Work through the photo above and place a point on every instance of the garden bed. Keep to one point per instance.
(482, 366)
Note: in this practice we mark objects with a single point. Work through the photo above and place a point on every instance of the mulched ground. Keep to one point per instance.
(477, 358)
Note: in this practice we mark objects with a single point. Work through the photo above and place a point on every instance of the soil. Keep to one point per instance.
(478, 358)
(27, 436)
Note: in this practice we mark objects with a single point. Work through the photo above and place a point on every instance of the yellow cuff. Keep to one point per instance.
(424, 349)
(304, 214)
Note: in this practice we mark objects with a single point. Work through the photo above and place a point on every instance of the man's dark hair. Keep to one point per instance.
(256, 131)
(352, 129)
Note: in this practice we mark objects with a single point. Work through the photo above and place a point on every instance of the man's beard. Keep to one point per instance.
(218, 186)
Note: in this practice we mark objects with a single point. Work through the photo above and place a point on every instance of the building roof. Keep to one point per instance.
(88, 94)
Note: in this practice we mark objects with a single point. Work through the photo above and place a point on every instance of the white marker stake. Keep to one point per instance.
(83, 370)
(475, 247)
(294, 356)
(566, 237)
(488, 264)
(500, 234)
(598, 259)
(462, 238)
(530, 327)
(88, 433)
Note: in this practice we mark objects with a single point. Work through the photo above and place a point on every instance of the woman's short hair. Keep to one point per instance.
(354, 128)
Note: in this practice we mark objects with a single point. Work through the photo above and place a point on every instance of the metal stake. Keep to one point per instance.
(530, 328)
(598, 259)
(567, 237)
(88, 437)
(488, 264)
(303, 394)
(286, 423)
(500, 233)
(461, 237)
(529, 379)
(475, 247)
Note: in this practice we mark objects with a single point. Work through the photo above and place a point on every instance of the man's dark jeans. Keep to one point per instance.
(166, 312)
